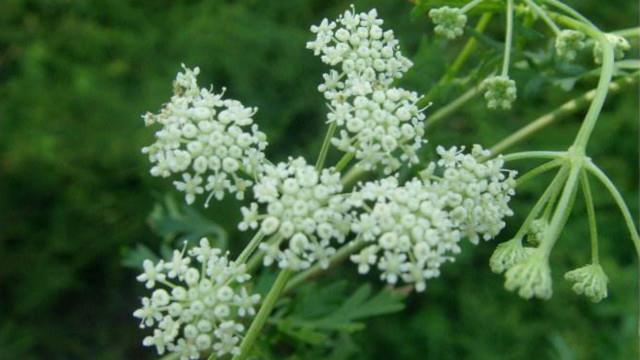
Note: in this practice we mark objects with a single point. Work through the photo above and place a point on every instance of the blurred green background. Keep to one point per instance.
(76, 196)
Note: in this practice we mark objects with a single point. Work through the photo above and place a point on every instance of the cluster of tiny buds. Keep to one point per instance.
(531, 276)
(204, 136)
(449, 21)
(568, 43)
(303, 214)
(499, 92)
(620, 47)
(410, 230)
(375, 120)
(199, 307)
(590, 281)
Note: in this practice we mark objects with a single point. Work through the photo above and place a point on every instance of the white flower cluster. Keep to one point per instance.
(569, 43)
(303, 214)
(589, 280)
(375, 119)
(449, 21)
(416, 227)
(204, 136)
(198, 310)
(620, 47)
(500, 92)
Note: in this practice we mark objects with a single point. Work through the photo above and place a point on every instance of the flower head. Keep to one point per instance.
(508, 254)
(499, 91)
(381, 124)
(197, 312)
(589, 280)
(207, 140)
(531, 277)
(568, 43)
(537, 231)
(301, 211)
(620, 47)
(410, 230)
(449, 21)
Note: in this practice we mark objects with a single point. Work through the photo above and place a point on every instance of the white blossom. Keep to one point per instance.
(207, 140)
(410, 230)
(375, 120)
(198, 311)
(301, 212)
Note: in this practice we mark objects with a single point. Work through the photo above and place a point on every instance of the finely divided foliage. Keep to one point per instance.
(306, 218)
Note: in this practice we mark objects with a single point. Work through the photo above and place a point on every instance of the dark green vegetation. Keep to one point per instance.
(76, 197)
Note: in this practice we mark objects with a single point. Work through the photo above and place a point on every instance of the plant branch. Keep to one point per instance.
(591, 215)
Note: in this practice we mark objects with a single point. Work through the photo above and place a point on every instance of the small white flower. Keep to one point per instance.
(301, 211)
(200, 315)
(203, 136)
(152, 273)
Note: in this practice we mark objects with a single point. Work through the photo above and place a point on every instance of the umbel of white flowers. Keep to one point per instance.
(411, 230)
(205, 137)
(375, 119)
(302, 214)
(199, 307)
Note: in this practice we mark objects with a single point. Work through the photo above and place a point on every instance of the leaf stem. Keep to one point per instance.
(534, 155)
(538, 170)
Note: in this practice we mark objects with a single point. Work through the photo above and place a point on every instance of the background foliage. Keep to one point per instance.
(76, 199)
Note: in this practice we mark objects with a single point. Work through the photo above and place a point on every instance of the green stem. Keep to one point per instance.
(538, 170)
(340, 255)
(452, 106)
(263, 314)
(601, 92)
(591, 215)
(248, 250)
(555, 183)
(470, 5)
(468, 49)
(534, 155)
(325, 146)
(563, 210)
(569, 10)
(344, 161)
(565, 109)
(626, 214)
(543, 15)
(508, 39)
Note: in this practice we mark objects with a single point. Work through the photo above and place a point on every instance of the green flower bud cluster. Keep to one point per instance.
(569, 43)
(590, 281)
(449, 21)
(499, 91)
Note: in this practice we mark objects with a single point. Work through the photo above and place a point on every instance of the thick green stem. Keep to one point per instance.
(263, 314)
(470, 5)
(344, 161)
(508, 39)
(569, 10)
(591, 215)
